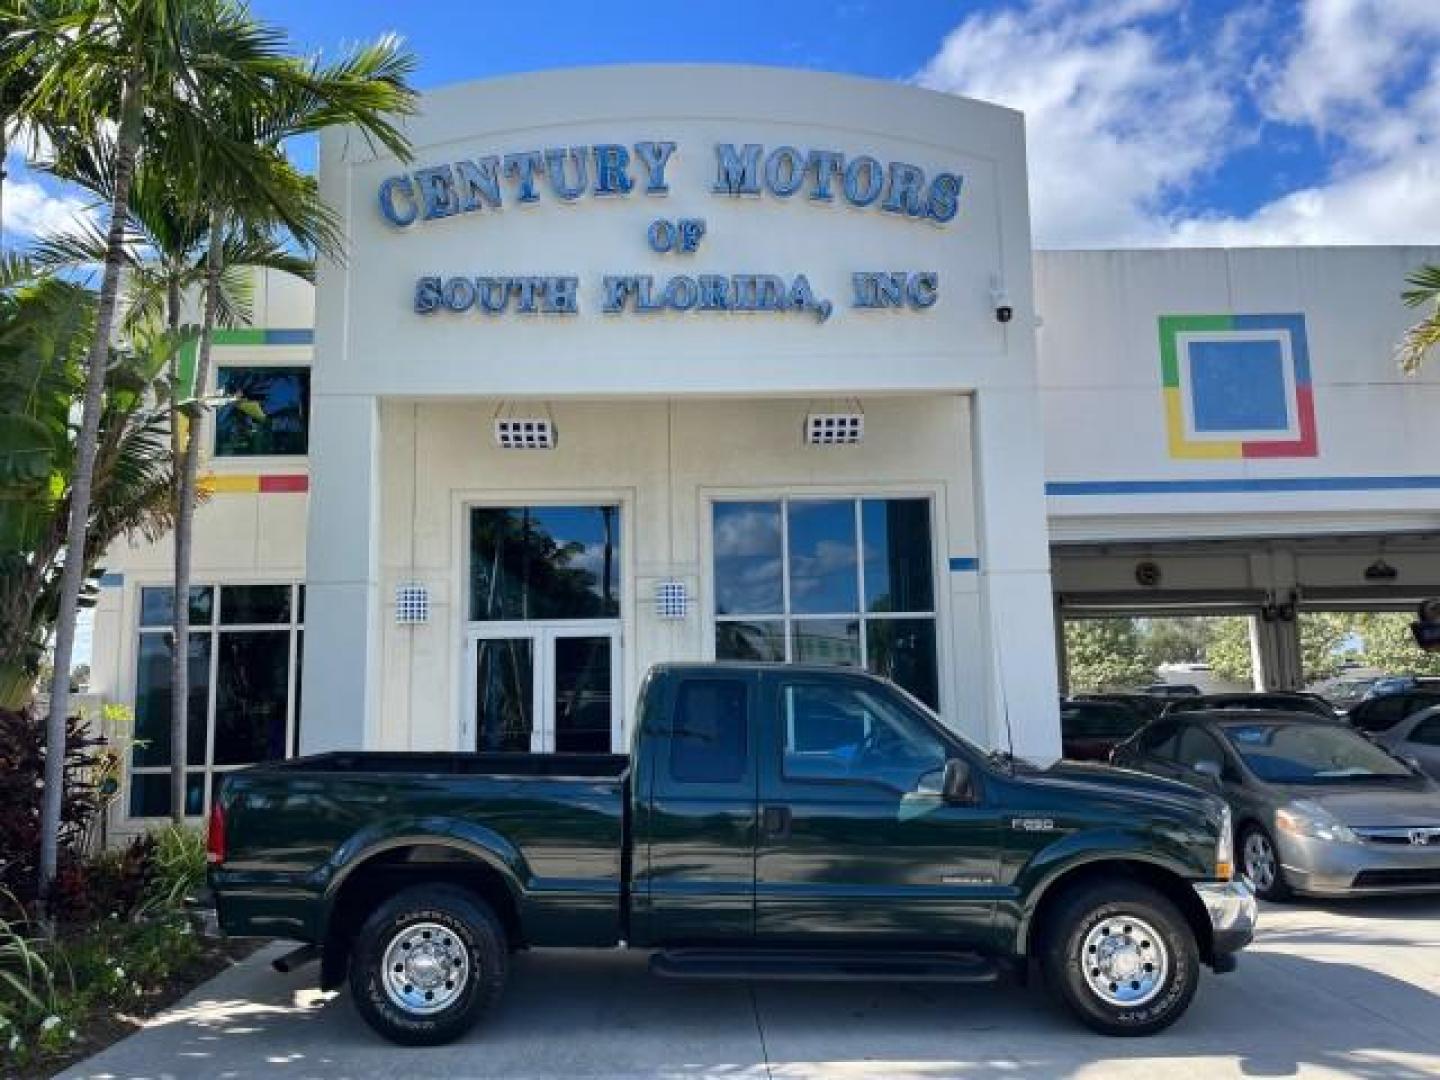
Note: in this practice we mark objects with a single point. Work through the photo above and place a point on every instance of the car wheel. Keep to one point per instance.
(428, 964)
(1122, 957)
(1260, 860)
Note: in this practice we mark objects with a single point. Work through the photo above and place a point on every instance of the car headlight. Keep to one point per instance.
(1306, 818)
(1225, 846)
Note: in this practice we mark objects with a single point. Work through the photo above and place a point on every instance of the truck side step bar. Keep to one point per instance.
(816, 965)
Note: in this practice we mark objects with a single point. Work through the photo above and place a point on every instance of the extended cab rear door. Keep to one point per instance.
(856, 843)
(695, 829)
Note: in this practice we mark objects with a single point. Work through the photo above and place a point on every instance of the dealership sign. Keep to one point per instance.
(610, 170)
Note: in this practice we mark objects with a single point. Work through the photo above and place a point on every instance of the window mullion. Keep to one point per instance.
(860, 581)
(785, 575)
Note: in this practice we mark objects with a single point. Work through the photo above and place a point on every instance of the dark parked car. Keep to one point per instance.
(1382, 712)
(1171, 690)
(1149, 705)
(1089, 730)
(770, 822)
(1319, 809)
(1269, 700)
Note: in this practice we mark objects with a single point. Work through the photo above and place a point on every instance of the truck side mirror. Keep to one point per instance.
(956, 787)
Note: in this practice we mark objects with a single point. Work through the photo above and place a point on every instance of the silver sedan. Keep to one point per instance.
(1416, 738)
(1319, 809)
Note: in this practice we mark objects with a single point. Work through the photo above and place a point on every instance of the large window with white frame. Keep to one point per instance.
(829, 580)
(244, 657)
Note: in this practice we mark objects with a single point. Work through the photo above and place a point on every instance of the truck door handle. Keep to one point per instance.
(775, 822)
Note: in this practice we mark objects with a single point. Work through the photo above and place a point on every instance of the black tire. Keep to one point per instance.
(1274, 887)
(464, 922)
(1121, 905)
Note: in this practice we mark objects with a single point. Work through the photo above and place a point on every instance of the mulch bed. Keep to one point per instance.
(104, 1029)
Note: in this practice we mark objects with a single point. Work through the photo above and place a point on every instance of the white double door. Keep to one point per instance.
(543, 687)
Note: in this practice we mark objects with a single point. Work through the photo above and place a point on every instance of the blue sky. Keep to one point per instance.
(1150, 122)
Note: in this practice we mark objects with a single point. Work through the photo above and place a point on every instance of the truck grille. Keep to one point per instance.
(1369, 879)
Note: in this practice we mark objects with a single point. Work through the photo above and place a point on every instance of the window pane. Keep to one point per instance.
(253, 676)
(822, 557)
(845, 733)
(748, 559)
(582, 695)
(152, 700)
(898, 555)
(903, 651)
(825, 641)
(150, 794)
(240, 604)
(271, 413)
(504, 694)
(750, 641)
(157, 605)
(545, 562)
(709, 743)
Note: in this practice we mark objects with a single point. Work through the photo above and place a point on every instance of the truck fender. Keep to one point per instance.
(464, 837)
(1055, 861)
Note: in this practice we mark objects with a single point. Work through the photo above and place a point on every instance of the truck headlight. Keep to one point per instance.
(1304, 817)
(1225, 846)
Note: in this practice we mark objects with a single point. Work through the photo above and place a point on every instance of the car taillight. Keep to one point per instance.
(215, 835)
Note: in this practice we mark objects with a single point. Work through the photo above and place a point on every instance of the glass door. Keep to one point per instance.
(543, 689)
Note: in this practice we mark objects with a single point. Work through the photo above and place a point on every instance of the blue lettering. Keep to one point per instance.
(398, 185)
(924, 289)
(737, 174)
(612, 164)
(655, 156)
(524, 167)
(479, 183)
(784, 171)
(615, 289)
(944, 198)
(427, 295)
(555, 166)
(855, 193)
(437, 191)
(906, 182)
(827, 164)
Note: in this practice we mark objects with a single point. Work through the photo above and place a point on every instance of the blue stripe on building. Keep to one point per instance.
(1238, 485)
(964, 564)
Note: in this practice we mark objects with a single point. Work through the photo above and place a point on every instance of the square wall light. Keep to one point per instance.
(834, 428)
(525, 433)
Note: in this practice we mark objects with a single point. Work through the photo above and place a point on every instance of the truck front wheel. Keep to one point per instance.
(1122, 957)
(427, 965)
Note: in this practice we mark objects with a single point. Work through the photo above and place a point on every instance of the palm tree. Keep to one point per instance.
(153, 69)
(270, 197)
(1425, 334)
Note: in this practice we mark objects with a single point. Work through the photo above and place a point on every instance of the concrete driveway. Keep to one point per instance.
(1339, 990)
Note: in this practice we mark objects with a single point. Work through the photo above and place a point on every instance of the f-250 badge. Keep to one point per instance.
(1033, 824)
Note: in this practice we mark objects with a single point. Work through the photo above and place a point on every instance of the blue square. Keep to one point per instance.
(1238, 386)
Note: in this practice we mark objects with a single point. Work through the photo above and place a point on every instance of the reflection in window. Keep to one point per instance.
(829, 581)
(544, 562)
(852, 733)
(504, 694)
(268, 414)
(244, 689)
(709, 743)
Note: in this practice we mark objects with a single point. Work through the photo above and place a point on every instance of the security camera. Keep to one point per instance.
(1004, 311)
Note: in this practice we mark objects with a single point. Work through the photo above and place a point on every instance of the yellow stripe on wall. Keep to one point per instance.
(1179, 447)
(230, 484)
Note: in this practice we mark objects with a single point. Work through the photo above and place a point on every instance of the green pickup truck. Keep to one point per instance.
(775, 822)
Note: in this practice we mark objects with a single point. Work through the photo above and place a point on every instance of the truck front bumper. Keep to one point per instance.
(1232, 910)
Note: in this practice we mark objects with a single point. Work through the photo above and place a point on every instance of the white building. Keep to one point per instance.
(775, 335)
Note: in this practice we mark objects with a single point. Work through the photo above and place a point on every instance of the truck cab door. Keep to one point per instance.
(856, 844)
(695, 828)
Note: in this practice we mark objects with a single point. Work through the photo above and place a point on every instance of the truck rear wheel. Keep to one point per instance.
(1122, 957)
(428, 964)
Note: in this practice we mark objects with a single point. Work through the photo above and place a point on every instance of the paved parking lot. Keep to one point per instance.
(1340, 990)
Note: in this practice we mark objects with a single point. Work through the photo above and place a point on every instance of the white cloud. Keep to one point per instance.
(1128, 105)
(31, 210)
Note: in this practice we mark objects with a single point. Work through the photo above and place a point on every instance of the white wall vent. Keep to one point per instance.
(412, 605)
(524, 433)
(834, 428)
(671, 600)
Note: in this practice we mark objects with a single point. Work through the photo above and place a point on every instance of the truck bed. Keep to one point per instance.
(300, 827)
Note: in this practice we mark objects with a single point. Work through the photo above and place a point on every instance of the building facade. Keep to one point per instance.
(641, 364)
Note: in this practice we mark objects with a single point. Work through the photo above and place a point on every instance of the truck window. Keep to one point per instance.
(850, 733)
(710, 733)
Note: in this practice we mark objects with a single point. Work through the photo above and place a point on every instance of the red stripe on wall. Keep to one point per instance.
(1305, 446)
(285, 482)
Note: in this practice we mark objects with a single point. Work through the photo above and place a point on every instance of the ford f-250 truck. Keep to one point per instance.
(776, 822)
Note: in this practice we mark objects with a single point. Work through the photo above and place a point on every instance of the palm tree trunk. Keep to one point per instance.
(184, 527)
(87, 442)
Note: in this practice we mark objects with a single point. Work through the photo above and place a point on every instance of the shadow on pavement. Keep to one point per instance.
(576, 1015)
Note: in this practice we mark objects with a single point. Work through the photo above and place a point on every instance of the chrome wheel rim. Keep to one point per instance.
(1124, 960)
(1259, 861)
(426, 967)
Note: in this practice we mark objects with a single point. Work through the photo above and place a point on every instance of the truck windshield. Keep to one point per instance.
(1311, 754)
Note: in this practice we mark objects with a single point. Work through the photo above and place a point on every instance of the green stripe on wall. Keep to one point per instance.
(1170, 325)
(190, 351)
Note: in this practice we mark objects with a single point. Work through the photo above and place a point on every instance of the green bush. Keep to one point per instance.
(177, 867)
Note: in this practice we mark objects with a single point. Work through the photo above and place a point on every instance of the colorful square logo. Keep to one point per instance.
(1237, 386)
